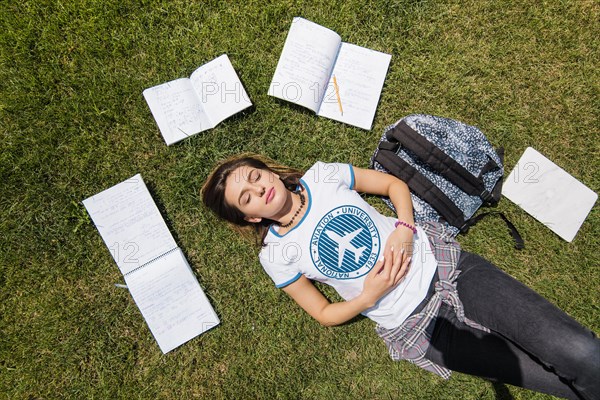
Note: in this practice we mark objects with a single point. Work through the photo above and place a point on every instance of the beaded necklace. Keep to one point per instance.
(302, 201)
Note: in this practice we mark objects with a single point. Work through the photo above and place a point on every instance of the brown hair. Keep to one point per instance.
(213, 191)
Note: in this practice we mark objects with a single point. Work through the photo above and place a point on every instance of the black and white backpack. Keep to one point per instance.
(450, 167)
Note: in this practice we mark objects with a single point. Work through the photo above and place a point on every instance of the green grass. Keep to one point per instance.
(73, 122)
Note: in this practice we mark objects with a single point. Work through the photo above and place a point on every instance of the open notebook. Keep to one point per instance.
(186, 106)
(336, 80)
(155, 269)
(549, 194)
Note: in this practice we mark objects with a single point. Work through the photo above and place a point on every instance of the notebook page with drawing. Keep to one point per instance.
(549, 194)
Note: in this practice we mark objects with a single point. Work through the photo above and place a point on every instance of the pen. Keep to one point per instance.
(337, 94)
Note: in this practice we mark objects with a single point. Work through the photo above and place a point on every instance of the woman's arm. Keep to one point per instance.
(384, 276)
(375, 182)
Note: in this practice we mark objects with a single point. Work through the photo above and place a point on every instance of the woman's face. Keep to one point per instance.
(257, 193)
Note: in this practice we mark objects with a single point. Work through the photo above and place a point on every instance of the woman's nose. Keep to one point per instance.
(259, 189)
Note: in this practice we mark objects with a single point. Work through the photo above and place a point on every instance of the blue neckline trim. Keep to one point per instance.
(272, 228)
(351, 176)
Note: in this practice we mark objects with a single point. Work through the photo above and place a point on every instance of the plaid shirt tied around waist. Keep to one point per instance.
(410, 340)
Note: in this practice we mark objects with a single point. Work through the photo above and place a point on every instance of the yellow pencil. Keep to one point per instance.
(337, 94)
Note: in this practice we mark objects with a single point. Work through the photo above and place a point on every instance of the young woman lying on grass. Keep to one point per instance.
(435, 305)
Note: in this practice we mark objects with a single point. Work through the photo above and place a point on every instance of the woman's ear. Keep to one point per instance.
(254, 220)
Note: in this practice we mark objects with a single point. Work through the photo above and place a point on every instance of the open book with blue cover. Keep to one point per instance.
(155, 269)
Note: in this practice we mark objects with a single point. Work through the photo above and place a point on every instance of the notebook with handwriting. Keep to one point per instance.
(186, 106)
(155, 269)
(339, 81)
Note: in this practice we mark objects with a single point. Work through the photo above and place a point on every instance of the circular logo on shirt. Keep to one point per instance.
(345, 244)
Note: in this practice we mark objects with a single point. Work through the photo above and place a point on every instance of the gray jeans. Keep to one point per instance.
(533, 344)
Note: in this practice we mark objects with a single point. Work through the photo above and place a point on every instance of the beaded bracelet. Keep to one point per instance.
(409, 226)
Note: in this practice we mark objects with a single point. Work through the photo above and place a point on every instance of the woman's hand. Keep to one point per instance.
(400, 239)
(385, 275)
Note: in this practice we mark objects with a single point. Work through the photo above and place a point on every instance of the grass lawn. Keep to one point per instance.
(73, 122)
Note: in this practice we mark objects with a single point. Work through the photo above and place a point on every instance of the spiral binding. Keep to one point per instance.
(151, 261)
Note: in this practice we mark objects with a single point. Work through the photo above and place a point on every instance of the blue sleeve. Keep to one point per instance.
(351, 186)
(282, 274)
(292, 280)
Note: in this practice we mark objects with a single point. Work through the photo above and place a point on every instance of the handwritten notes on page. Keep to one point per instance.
(157, 274)
(312, 57)
(176, 109)
(171, 301)
(359, 73)
(305, 64)
(549, 194)
(219, 90)
(187, 106)
(130, 224)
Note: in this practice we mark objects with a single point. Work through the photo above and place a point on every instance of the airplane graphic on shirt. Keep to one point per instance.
(344, 244)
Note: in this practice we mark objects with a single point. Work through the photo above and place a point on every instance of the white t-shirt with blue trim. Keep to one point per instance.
(338, 241)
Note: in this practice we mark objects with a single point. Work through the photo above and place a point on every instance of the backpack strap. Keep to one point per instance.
(519, 243)
(420, 185)
(445, 165)
(491, 164)
(425, 189)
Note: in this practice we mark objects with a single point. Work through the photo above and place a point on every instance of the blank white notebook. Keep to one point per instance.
(549, 194)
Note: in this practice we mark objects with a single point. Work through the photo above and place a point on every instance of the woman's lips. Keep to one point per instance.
(270, 195)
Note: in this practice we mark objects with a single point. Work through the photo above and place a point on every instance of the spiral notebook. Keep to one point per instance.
(155, 269)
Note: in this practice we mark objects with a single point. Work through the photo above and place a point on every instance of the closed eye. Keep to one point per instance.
(253, 177)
